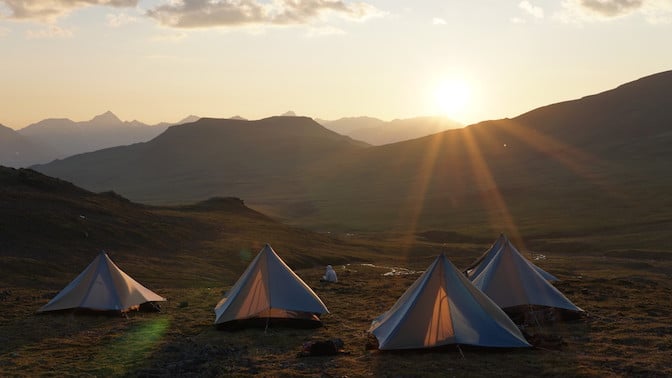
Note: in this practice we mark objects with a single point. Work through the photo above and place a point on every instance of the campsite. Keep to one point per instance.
(625, 330)
(625, 333)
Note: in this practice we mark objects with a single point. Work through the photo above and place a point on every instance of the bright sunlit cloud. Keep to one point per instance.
(204, 14)
(533, 10)
(50, 10)
(576, 11)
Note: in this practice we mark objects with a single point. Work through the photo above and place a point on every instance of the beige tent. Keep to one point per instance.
(509, 279)
(443, 307)
(269, 290)
(102, 286)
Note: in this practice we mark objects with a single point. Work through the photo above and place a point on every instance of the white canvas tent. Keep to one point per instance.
(269, 289)
(102, 286)
(442, 307)
(501, 242)
(510, 280)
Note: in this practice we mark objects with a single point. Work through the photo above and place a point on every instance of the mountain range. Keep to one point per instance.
(57, 138)
(592, 166)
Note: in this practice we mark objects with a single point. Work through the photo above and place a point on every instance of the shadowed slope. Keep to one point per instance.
(588, 164)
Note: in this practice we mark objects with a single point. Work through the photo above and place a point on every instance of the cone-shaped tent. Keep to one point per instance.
(502, 241)
(102, 286)
(442, 307)
(510, 280)
(269, 289)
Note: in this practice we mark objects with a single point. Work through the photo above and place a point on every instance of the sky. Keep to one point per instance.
(161, 60)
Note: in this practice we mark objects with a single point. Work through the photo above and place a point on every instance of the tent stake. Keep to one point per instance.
(460, 349)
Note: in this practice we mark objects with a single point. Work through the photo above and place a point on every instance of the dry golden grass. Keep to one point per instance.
(627, 331)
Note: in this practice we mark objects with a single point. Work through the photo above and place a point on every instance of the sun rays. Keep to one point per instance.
(415, 200)
(475, 155)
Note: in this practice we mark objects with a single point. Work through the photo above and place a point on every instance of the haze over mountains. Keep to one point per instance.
(56, 138)
(378, 132)
(17, 150)
(544, 171)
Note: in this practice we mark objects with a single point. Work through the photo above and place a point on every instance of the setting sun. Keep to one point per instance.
(452, 96)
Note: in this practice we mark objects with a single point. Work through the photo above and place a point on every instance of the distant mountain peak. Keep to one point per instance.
(107, 118)
(189, 119)
(288, 114)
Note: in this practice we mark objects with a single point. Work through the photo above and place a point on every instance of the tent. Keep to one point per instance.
(442, 307)
(509, 279)
(501, 242)
(269, 290)
(102, 286)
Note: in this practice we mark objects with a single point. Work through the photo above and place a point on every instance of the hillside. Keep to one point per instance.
(49, 226)
(377, 132)
(591, 166)
(192, 255)
(595, 167)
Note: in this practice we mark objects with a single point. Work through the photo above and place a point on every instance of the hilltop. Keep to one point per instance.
(211, 157)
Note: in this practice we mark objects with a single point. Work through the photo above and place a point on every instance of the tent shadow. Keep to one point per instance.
(263, 323)
(531, 315)
(147, 307)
